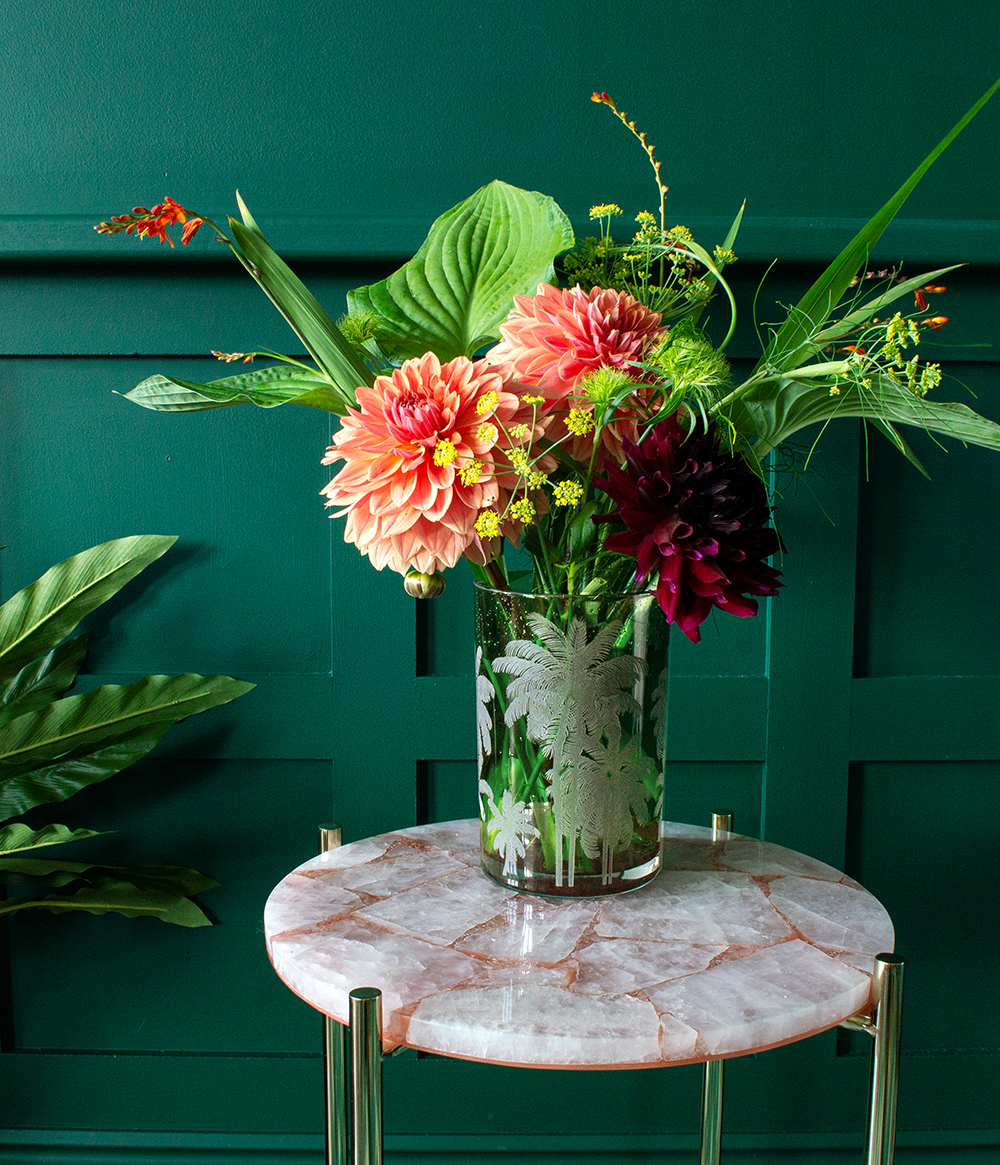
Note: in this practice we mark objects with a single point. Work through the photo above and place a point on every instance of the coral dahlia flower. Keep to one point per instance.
(556, 337)
(695, 519)
(553, 339)
(418, 467)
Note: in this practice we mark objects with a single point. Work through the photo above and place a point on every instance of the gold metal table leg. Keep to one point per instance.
(887, 999)
(366, 1076)
(710, 1148)
(334, 1052)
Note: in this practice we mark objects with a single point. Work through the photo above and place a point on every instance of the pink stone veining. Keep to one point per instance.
(737, 946)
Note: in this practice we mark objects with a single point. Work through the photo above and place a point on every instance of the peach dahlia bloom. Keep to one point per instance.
(553, 339)
(418, 469)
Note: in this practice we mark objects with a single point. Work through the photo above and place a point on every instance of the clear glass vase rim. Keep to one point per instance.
(613, 596)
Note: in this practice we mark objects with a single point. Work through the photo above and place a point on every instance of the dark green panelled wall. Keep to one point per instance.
(856, 720)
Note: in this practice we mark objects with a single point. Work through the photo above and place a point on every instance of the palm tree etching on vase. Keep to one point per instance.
(571, 702)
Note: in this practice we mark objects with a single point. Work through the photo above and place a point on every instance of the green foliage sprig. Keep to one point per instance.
(52, 744)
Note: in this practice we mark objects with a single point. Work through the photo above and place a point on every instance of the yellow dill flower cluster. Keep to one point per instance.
(680, 234)
(605, 210)
(889, 359)
(648, 232)
(487, 403)
(580, 422)
(444, 451)
(487, 432)
(518, 432)
(488, 524)
(899, 333)
(520, 461)
(524, 468)
(523, 510)
(470, 472)
(567, 493)
(723, 257)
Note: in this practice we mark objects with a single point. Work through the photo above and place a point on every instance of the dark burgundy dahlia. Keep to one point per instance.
(696, 519)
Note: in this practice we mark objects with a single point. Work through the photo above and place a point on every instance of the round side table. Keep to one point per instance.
(736, 947)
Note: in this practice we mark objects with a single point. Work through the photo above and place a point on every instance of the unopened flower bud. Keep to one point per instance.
(423, 586)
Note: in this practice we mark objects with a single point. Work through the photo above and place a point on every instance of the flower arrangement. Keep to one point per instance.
(511, 384)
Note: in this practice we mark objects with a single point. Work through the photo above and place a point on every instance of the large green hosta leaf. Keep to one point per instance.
(38, 617)
(452, 296)
(264, 387)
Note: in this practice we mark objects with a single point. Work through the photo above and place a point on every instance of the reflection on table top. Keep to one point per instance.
(738, 945)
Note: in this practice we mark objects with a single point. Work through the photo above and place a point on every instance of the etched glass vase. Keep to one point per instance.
(570, 714)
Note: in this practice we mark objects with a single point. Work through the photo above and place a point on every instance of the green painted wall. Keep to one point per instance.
(856, 720)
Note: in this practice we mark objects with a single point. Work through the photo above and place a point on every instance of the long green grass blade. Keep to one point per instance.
(864, 312)
(317, 331)
(790, 345)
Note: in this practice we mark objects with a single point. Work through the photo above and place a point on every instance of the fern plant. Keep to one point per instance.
(53, 744)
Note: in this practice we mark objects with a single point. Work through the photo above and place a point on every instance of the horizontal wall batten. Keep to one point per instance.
(283, 717)
(328, 237)
(291, 718)
(924, 718)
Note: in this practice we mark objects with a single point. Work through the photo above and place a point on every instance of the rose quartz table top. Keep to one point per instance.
(737, 946)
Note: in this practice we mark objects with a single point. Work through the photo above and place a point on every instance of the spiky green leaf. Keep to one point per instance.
(17, 837)
(158, 891)
(24, 786)
(43, 680)
(38, 617)
(109, 712)
(264, 387)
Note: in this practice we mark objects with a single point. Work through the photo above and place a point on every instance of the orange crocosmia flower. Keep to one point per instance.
(404, 447)
(153, 224)
(553, 339)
